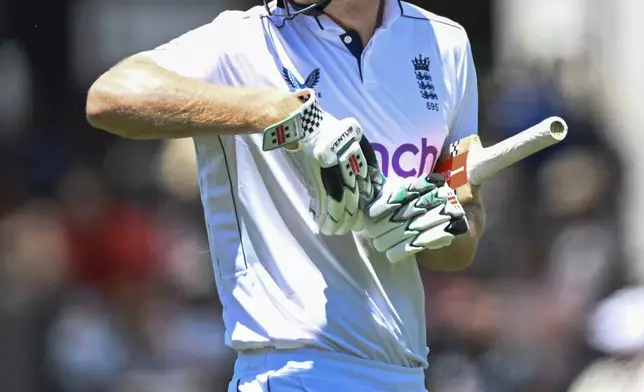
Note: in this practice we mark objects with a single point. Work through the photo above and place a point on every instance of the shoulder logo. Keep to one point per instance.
(311, 81)
(425, 83)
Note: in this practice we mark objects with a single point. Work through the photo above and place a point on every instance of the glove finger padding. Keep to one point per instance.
(400, 200)
(411, 227)
(413, 215)
(328, 156)
(434, 238)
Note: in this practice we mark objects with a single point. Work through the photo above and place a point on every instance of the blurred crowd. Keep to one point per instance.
(518, 318)
(105, 276)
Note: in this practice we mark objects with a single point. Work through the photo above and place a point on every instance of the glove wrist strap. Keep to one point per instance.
(296, 128)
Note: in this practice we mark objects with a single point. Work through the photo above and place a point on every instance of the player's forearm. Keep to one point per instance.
(139, 99)
(460, 253)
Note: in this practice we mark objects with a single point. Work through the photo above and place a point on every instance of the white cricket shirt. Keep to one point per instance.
(281, 283)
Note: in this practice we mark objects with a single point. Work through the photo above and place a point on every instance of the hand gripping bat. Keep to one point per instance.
(469, 163)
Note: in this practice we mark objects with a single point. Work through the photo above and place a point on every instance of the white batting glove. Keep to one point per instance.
(333, 159)
(414, 214)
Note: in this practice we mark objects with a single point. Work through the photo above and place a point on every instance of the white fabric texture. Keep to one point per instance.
(282, 282)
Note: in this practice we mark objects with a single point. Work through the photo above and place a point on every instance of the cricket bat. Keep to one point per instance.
(469, 163)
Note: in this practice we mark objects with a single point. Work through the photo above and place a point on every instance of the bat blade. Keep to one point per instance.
(478, 164)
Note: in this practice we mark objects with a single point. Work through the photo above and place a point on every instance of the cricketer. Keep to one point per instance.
(316, 126)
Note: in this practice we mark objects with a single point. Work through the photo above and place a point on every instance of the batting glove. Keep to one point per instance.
(334, 160)
(414, 214)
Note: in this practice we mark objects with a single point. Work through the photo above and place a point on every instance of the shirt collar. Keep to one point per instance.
(323, 24)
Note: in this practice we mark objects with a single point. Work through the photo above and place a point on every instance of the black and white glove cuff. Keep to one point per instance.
(298, 126)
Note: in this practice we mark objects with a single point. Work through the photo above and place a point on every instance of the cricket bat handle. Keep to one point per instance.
(484, 162)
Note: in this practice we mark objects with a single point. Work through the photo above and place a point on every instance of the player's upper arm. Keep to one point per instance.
(199, 53)
(464, 121)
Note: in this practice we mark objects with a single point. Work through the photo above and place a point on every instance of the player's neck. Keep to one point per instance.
(362, 16)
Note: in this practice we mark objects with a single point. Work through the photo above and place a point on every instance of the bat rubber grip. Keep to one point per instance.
(483, 163)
